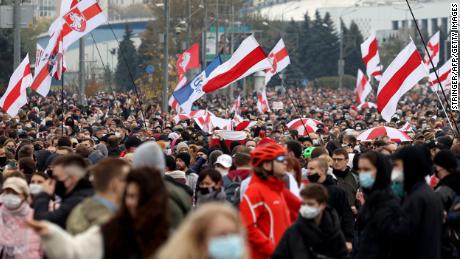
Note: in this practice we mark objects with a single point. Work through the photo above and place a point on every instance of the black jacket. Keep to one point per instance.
(304, 239)
(338, 201)
(425, 213)
(378, 227)
(82, 190)
(447, 189)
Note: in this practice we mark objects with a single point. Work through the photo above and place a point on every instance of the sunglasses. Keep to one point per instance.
(280, 159)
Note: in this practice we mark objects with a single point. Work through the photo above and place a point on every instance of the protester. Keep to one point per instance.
(316, 233)
(214, 230)
(69, 183)
(16, 240)
(108, 179)
(267, 207)
(209, 187)
(446, 170)
(137, 230)
(346, 179)
(317, 173)
(421, 205)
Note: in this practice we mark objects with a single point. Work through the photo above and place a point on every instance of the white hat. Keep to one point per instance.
(224, 160)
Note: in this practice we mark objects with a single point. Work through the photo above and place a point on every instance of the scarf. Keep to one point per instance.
(14, 234)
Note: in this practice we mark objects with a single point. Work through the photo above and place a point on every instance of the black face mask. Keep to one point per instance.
(313, 178)
(60, 189)
(11, 150)
(206, 190)
(2, 161)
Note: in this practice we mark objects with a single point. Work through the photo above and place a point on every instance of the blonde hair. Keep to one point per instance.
(188, 242)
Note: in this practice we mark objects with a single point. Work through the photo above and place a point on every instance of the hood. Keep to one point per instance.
(384, 168)
(149, 154)
(417, 164)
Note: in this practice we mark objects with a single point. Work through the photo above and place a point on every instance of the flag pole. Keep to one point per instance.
(62, 101)
(435, 72)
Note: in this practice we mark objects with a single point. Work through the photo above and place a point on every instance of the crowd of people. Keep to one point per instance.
(113, 180)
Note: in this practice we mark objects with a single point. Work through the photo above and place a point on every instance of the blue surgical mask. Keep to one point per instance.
(226, 247)
(397, 189)
(366, 180)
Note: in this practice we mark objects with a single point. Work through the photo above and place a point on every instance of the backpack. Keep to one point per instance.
(232, 190)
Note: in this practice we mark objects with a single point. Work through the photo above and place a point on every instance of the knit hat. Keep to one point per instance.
(184, 157)
(132, 142)
(181, 146)
(179, 176)
(17, 184)
(446, 159)
(149, 154)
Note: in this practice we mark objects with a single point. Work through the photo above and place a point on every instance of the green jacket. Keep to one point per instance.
(180, 203)
(86, 214)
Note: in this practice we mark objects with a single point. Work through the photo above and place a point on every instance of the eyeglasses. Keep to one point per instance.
(280, 159)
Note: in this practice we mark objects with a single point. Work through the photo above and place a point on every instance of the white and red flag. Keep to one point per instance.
(15, 95)
(279, 58)
(444, 74)
(236, 106)
(38, 54)
(370, 54)
(262, 102)
(185, 61)
(400, 76)
(363, 88)
(433, 47)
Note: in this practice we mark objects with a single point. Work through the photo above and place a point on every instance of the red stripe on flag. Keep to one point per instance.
(251, 59)
(397, 79)
(280, 55)
(39, 78)
(376, 73)
(442, 78)
(372, 51)
(377, 132)
(16, 92)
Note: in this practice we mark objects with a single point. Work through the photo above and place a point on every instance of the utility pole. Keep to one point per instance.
(17, 33)
(189, 24)
(232, 31)
(341, 61)
(166, 57)
(81, 74)
(205, 23)
(217, 26)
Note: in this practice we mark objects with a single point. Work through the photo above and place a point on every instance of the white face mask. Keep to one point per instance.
(397, 175)
(309, 212)
(35, 188)
(11, 201)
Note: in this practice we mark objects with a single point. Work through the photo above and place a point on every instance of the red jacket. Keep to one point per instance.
(268, 208)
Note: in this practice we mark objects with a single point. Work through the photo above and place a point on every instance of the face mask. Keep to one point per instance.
(397, 175)
(313, 178)
(205, 190)
(60, 189)
(11, 150)
(225, 247)
(366, 180)
(397, 189)
(358, 128)
(309, 212)
(35, 188)
(117, 134)
(315, 142)
(11, 201)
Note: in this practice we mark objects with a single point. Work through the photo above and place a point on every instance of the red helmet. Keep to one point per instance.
(267, 152)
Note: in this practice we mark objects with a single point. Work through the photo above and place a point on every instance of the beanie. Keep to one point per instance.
(184, 157)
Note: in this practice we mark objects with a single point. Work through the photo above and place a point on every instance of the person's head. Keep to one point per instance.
(26, 151)
(143, 210)
(170, 163)
(88, 143)
(68, 170)
(294, 148)
(108, 177)
(36, 182)
(251, 144)
(340, 159)
(314, 201)
(182, 161)
(349, 142)
(414, 162)
(14, 193)
(64, 142)
(214, 230)
(223, 164)
(210, 178)
(269, 160)
(10, 145)
(445, 163)
(374, 171)
(149, 154)
(213, 156)
(317, 170)
(318, 151)
(242, 160)
(26, 165)
(132, 143)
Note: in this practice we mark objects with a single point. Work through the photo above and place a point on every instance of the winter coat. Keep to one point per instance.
(179, 204)
(267, 210)
(424, 210)
(304, 239)
(338, 201)
(82, 190)
(349, 183)
(447, 189)
(218, 195)
(17, 240)
(91, 211)
(377, 227)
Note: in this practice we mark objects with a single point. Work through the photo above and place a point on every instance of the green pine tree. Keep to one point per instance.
(304, 49)
(127, 61)
(352, 51)
(293, 73)
(6, 57)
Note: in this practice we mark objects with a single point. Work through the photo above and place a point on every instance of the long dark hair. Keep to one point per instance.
(127, 237)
